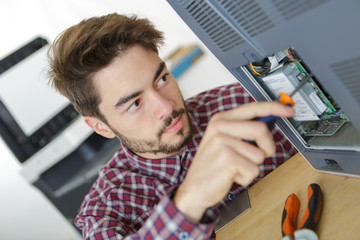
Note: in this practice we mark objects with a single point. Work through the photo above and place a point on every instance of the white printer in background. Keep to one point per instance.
(60, 154)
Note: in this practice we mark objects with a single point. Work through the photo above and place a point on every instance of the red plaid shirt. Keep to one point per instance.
(131, 198)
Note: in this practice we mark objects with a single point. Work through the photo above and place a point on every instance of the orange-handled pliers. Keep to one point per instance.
(307, 227)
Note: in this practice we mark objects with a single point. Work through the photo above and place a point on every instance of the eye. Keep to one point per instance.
(163, 80)
(135, 105)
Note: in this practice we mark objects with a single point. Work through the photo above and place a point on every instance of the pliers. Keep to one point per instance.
(307, 227)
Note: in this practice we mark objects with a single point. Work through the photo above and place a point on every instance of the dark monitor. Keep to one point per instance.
(271, 46)
(31, 113)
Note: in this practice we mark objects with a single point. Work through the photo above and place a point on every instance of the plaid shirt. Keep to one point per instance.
(131, 198)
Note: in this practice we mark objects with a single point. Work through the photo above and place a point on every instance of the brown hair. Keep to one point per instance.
(86, 48)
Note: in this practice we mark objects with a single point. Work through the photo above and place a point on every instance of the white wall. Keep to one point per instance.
(24, 212)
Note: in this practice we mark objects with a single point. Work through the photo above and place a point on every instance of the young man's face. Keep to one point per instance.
(142, 104)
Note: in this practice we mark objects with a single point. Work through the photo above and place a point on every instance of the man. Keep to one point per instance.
(162, 183)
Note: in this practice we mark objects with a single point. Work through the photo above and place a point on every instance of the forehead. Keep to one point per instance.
(129, 72)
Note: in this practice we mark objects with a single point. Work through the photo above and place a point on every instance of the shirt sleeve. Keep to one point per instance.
(165, 222)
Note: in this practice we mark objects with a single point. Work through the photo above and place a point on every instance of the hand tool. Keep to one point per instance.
(284, 99)
(312, 213)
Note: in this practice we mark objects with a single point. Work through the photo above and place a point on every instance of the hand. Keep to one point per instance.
(223, 157)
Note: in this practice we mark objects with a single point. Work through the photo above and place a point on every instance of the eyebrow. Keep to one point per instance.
(160, 69)
(127, 98)
(124, 100)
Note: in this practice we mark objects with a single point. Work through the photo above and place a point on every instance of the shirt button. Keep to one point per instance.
(183, 235)
(230, 196)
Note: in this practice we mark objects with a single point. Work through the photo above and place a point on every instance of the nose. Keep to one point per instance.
(161, 106)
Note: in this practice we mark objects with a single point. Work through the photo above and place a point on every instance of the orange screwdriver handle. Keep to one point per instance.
(314, 208)
(289, 216)
(285, 99)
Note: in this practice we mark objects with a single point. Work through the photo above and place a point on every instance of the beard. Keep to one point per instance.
(155, 146)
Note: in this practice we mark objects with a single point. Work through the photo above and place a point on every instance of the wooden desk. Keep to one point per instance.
(341, 213)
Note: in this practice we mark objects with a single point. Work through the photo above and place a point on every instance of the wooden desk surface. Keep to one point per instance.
(341, 212)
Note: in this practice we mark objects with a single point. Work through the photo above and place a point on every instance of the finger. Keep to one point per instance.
(257, 109)
(243, 180)
(243, 159)
(246, 172)
(244, 150)
(245, 130)
(259, 133)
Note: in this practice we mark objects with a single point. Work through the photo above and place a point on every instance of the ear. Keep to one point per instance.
(99, 127)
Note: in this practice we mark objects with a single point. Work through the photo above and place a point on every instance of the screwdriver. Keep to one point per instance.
(285, 99)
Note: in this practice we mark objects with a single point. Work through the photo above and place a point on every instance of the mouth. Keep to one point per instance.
(175, 125)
